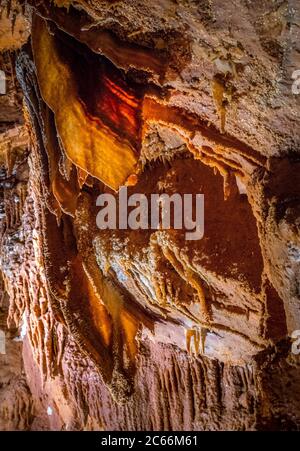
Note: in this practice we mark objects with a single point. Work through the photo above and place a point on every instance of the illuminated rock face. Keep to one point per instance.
(142, 329)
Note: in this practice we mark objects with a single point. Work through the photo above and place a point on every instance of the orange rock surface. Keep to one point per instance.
(142, 329)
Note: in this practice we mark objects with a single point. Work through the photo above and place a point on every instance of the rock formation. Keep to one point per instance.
(142, 329)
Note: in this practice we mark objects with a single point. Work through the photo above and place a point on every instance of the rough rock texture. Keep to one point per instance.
(142, 329)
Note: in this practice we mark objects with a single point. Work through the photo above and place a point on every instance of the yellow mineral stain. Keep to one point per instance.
(66, 193)
(191, 277)
(63, 3)
(99, 313)
(130, 327)
(82, 176)
(192, 341)
(88, 142)
(218, 90)
(195, 340)
(100, 316)
(132, 180)
(65, 190)
(203, 334)
(124, 321)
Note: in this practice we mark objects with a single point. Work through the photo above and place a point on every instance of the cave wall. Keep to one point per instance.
(141, 329)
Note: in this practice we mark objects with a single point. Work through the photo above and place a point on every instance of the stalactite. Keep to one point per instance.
(121, 327)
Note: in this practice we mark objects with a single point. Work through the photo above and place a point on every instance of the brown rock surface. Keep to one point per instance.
(142, 329)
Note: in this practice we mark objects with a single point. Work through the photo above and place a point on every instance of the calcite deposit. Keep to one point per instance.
(142, 329)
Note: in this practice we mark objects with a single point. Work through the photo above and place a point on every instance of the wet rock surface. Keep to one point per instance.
(143, 329)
